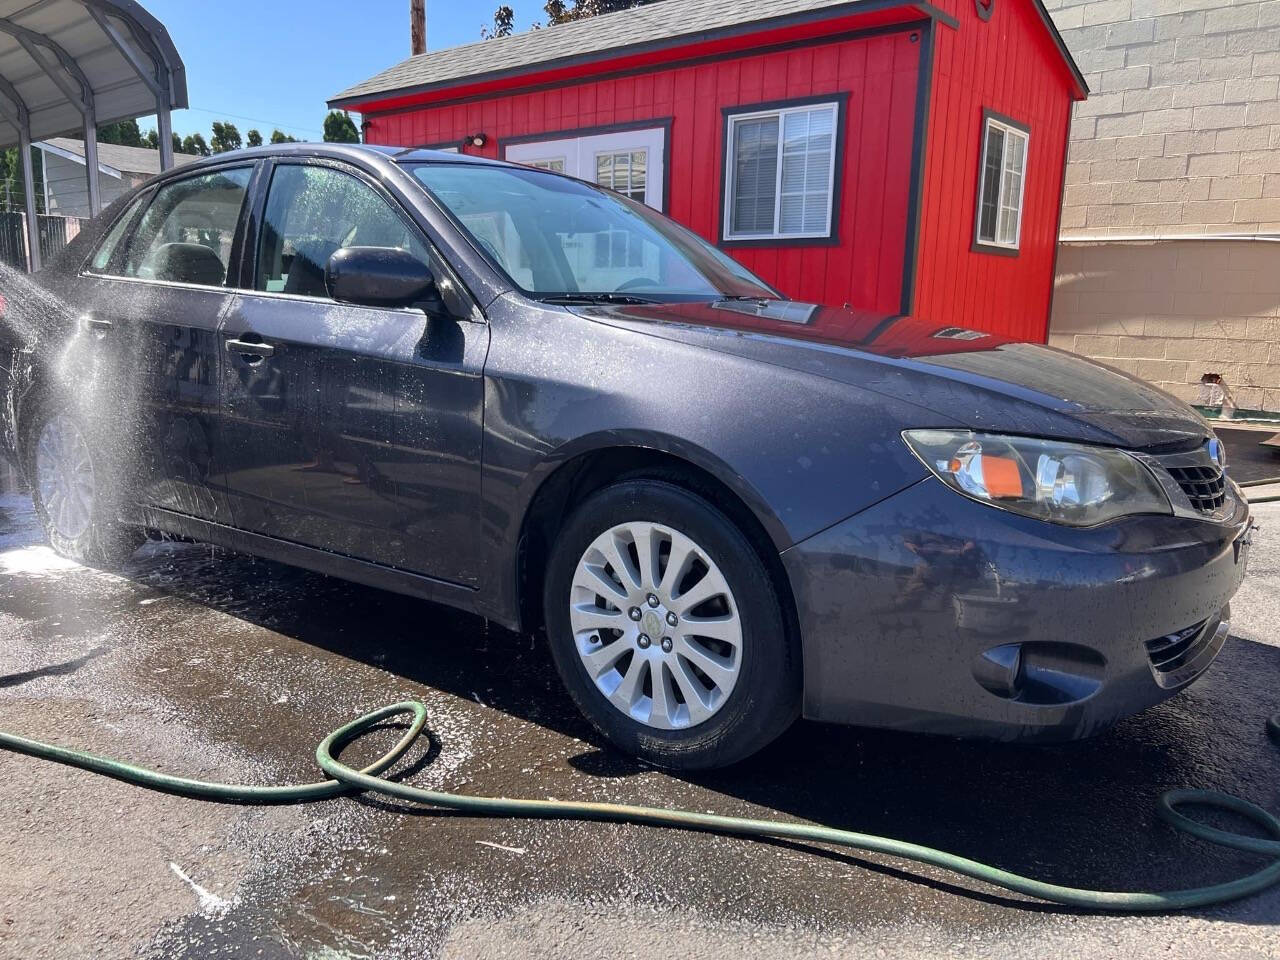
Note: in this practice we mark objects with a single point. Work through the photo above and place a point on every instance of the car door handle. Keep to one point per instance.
(95, 324)
(250, 348)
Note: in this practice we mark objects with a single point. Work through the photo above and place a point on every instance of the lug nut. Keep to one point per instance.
(667, 644)
(672, 619)
(643, 641)
(652, 599)
(634, 613)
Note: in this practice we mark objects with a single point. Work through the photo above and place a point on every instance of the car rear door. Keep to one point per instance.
(77, 320)
(349, 428)
(158, 294)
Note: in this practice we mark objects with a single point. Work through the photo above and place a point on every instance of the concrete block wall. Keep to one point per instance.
(1180, 138)
(1181, 133)
(1174, 311)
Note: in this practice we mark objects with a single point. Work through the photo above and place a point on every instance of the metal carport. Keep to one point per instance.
(67, 66)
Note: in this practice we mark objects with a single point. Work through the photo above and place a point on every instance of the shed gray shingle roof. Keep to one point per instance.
(125, 159)
(654, 23)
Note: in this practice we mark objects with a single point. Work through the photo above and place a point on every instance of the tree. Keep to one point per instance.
(558, 11)
(195, 144)
(254, 138)
(504, 22)
(225, 137)
(12, 176)
(279, 136)
(340, 128)
(151, 140)
(177, 143)
(125, 134)
(12, 195)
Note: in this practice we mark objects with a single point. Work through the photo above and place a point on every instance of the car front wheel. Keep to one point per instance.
(667, 628)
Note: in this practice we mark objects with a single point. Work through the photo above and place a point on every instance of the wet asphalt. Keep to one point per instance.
(221, 666)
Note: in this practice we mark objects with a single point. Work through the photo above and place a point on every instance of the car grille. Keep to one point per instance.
(1171, 651)
(1178, 658)
(1198, 477)
(1205, 487)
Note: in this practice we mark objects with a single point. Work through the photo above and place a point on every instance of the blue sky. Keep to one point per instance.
(273, 63)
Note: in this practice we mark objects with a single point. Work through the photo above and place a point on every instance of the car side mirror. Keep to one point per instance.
(379, 277)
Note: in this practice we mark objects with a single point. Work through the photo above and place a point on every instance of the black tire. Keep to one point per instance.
(765, 699)
(105, 542)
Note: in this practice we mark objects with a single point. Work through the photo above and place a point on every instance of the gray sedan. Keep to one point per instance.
(512, 392)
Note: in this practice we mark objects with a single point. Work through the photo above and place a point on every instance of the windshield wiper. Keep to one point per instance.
(739, 298)
(569, 299)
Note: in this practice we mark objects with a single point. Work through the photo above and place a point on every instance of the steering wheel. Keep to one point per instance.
(635, 283)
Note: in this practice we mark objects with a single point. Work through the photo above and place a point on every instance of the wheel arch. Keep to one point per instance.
(590, 467)
(38, 391)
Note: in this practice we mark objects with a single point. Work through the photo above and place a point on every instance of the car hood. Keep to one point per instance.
(967, 377)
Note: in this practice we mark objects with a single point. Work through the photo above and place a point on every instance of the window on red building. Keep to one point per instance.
(1001, 187)
(780, 172)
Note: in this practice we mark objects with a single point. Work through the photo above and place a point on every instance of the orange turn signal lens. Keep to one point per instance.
(1001, 477)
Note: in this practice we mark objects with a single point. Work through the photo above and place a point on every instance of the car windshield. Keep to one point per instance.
(559, 238)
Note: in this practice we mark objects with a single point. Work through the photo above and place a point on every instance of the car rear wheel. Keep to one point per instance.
(73, 493)
(667, 628)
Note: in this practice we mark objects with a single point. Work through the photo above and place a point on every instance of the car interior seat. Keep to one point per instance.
(306, 272)
(188, 263)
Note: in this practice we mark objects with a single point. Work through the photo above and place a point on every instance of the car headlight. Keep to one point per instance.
(1048, 479)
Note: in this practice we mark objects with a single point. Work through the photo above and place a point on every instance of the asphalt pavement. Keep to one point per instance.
(221, 666)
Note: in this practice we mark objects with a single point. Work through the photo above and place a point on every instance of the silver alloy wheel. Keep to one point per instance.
(656, 625)
(64, 477)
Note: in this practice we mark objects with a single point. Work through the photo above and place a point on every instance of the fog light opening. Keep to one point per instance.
(999, 670)
(1040, 674)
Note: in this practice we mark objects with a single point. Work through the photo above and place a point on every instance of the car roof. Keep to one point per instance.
(339, 151)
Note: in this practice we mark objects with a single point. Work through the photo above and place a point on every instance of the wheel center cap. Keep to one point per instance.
(652, 624)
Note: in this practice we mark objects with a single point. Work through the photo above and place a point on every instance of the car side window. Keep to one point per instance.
(187, 232)
(106, 250)
(314, 211)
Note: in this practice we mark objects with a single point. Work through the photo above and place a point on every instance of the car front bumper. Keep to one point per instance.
(932, 612)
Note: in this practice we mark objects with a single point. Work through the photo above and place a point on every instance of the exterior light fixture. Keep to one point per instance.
(476, 140)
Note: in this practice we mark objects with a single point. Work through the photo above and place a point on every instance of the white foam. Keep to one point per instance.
(210, 904)
(35, 562)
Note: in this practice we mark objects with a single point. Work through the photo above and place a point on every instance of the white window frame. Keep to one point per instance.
(733, 119)
(1009, 129)
(614, 153)
(579, 151)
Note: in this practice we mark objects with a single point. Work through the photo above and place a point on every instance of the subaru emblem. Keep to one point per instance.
(1218, 453)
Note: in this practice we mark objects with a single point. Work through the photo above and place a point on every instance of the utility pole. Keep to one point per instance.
(418, 26)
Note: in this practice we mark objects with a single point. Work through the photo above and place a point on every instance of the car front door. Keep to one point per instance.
(350, 428)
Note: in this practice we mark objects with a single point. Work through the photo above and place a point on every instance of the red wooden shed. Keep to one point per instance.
(898, 156)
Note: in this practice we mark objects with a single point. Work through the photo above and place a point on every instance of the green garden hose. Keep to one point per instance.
(346, 779)
(1273, 498)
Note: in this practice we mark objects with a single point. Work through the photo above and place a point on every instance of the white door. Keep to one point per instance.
(630, 162)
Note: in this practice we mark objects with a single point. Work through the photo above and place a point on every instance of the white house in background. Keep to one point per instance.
(120, 169)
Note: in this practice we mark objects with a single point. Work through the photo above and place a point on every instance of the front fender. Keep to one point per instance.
(673, 446)
(802, 451)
